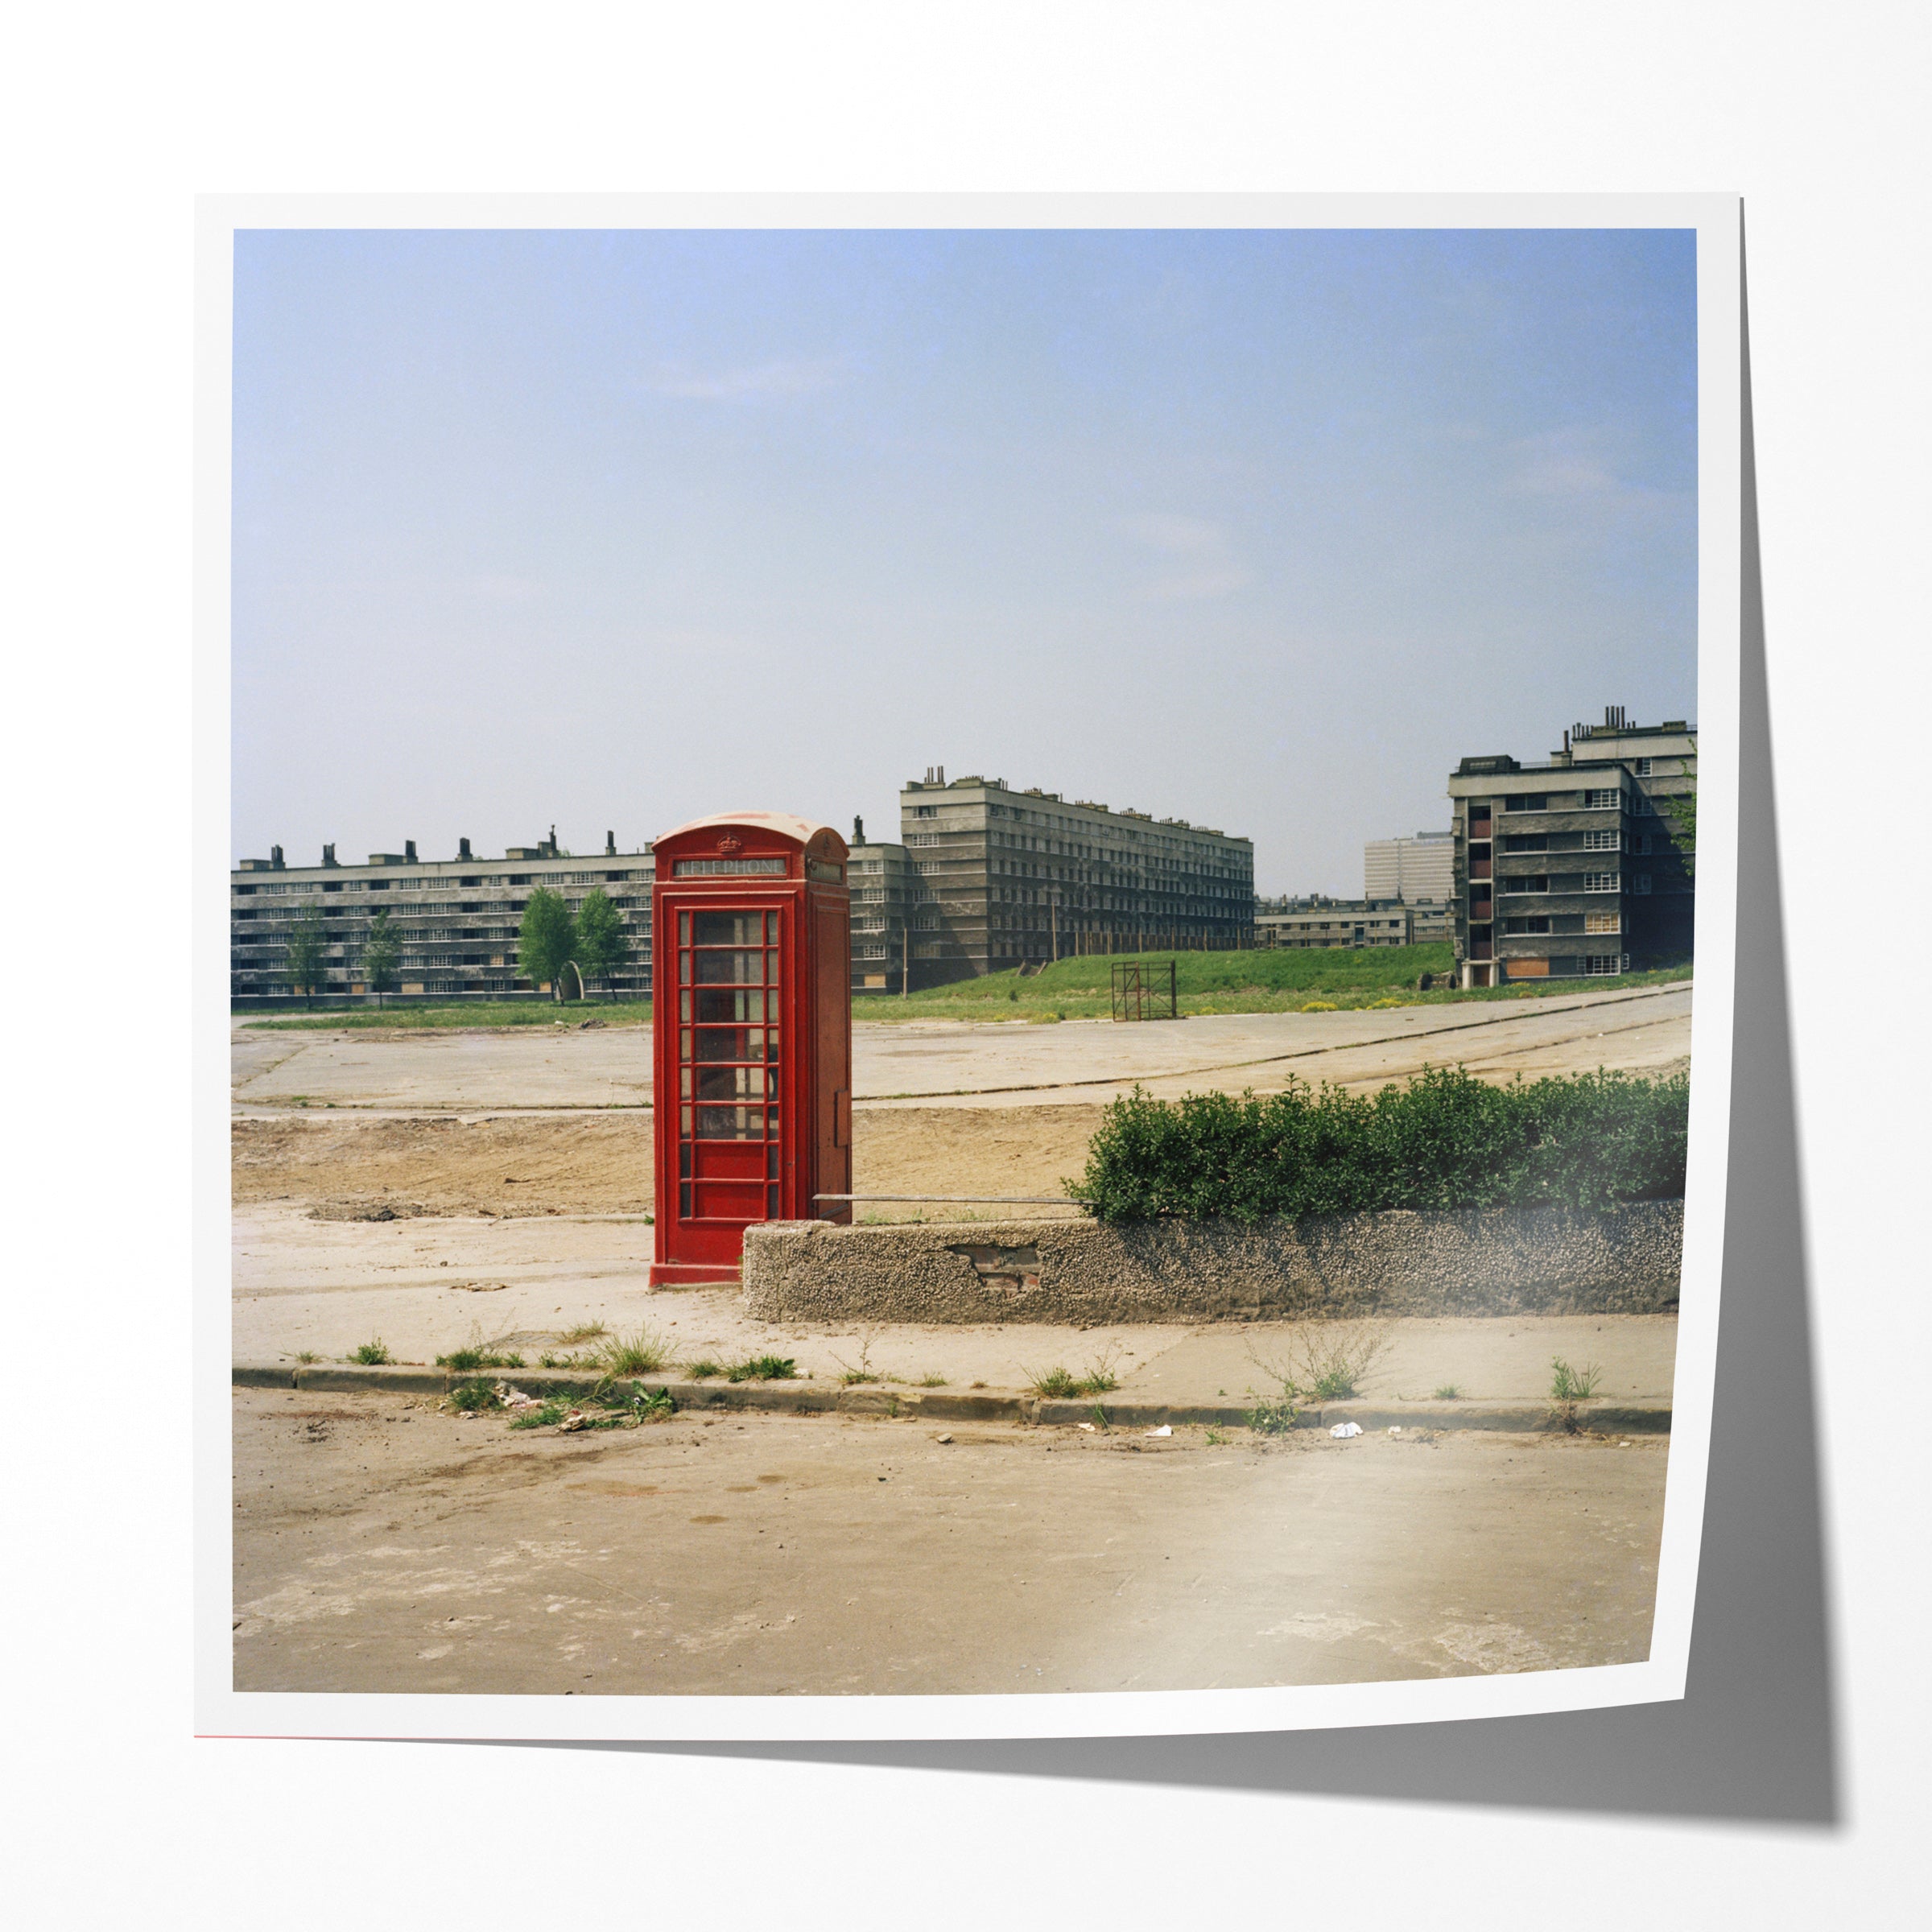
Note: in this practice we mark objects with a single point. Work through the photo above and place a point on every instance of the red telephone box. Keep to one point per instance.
(751, 950)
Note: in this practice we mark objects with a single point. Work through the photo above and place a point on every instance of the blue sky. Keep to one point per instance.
(1261, 528)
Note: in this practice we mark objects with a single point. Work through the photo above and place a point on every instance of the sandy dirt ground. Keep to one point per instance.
(382, 1546)
(571, 1163)
(954, 1063)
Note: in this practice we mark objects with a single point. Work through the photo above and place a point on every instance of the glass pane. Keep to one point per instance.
(684, 1044)
(729, 1082)
(684, 1200)
(727, 968)
(771, 929)
(684, 1121)
(728, 928)
(735, 1043)
(684, 969)
(731, 1123)
(771, 1203)
(771, 1160)
(683, 1083)
(684, 1006)
(722, 1009)
(684, 929)
(684, 1162)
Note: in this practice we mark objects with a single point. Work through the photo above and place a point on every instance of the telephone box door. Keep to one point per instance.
(730, 1062)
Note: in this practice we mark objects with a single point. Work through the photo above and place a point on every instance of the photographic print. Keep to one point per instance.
(962, 951)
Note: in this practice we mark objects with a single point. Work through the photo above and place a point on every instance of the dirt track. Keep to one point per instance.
(381, 1546)
(600, 1164)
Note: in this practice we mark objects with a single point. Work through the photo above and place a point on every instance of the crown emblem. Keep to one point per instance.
(728, 845)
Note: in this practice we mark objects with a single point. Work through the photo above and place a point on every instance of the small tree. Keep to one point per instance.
(1683, 828)
(307, 953)
(547, 940)
(380, 956)
(601, 945)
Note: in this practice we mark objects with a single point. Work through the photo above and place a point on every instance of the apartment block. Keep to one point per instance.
(1316, 922)
(882, 881)
(455, 920)
(996, 878)
(1420, 870)
(1569, 869)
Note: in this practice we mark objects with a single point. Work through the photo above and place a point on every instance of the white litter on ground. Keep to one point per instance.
(1342, 1430)
(1165, 1429)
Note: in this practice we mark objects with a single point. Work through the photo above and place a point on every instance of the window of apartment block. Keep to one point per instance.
(1603, 922)
(1598, 965)
(1527, 841)
(1602, 799)
(1539, 924)
(1643, 768)
(1538, 882)
(1641, 883)
(1603, 881)
(1535, 801)
(1603, 841)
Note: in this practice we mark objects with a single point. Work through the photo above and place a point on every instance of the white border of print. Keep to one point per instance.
(221, 1711)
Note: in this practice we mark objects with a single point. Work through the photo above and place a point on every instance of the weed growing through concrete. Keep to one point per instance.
(932, 1381)
(852, 1373)
(373, 1354)
(480, 1352)
(1273, 1414)
(1059, 1381)
(1215, 1439)
(584, 1331)
(1330, 1360)
(643, 1352)
(470, 1398)
(1448, 1393)
(471, 1357)
(1568, 1385)
(1054, 1382)
(307, 1355)
(762, 1369)
(702, 1370)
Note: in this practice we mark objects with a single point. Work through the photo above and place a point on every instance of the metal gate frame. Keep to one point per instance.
(1138, 990)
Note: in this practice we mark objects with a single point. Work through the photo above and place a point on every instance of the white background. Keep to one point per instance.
(114, 117)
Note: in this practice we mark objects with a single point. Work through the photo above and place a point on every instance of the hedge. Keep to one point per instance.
(1446, 1140)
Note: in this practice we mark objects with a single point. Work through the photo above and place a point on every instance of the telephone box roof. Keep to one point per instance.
(801, 831)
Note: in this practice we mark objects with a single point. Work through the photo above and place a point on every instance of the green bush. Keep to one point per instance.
(1446, 1140)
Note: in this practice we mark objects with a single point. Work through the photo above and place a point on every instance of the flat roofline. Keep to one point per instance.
(1103, 811)
(262, 870)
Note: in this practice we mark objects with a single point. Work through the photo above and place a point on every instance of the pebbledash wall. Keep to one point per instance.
(1500, 1261)
(455, 920)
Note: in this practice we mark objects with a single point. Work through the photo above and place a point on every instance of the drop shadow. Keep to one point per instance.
(1756, 1737)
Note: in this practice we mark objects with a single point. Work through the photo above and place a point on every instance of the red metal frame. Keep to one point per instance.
(751, 926)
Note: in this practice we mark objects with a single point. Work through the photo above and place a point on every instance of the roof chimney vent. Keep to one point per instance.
(463, 850)
(274, 856)
(610, 844)
(408, 852)
(858, 830)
